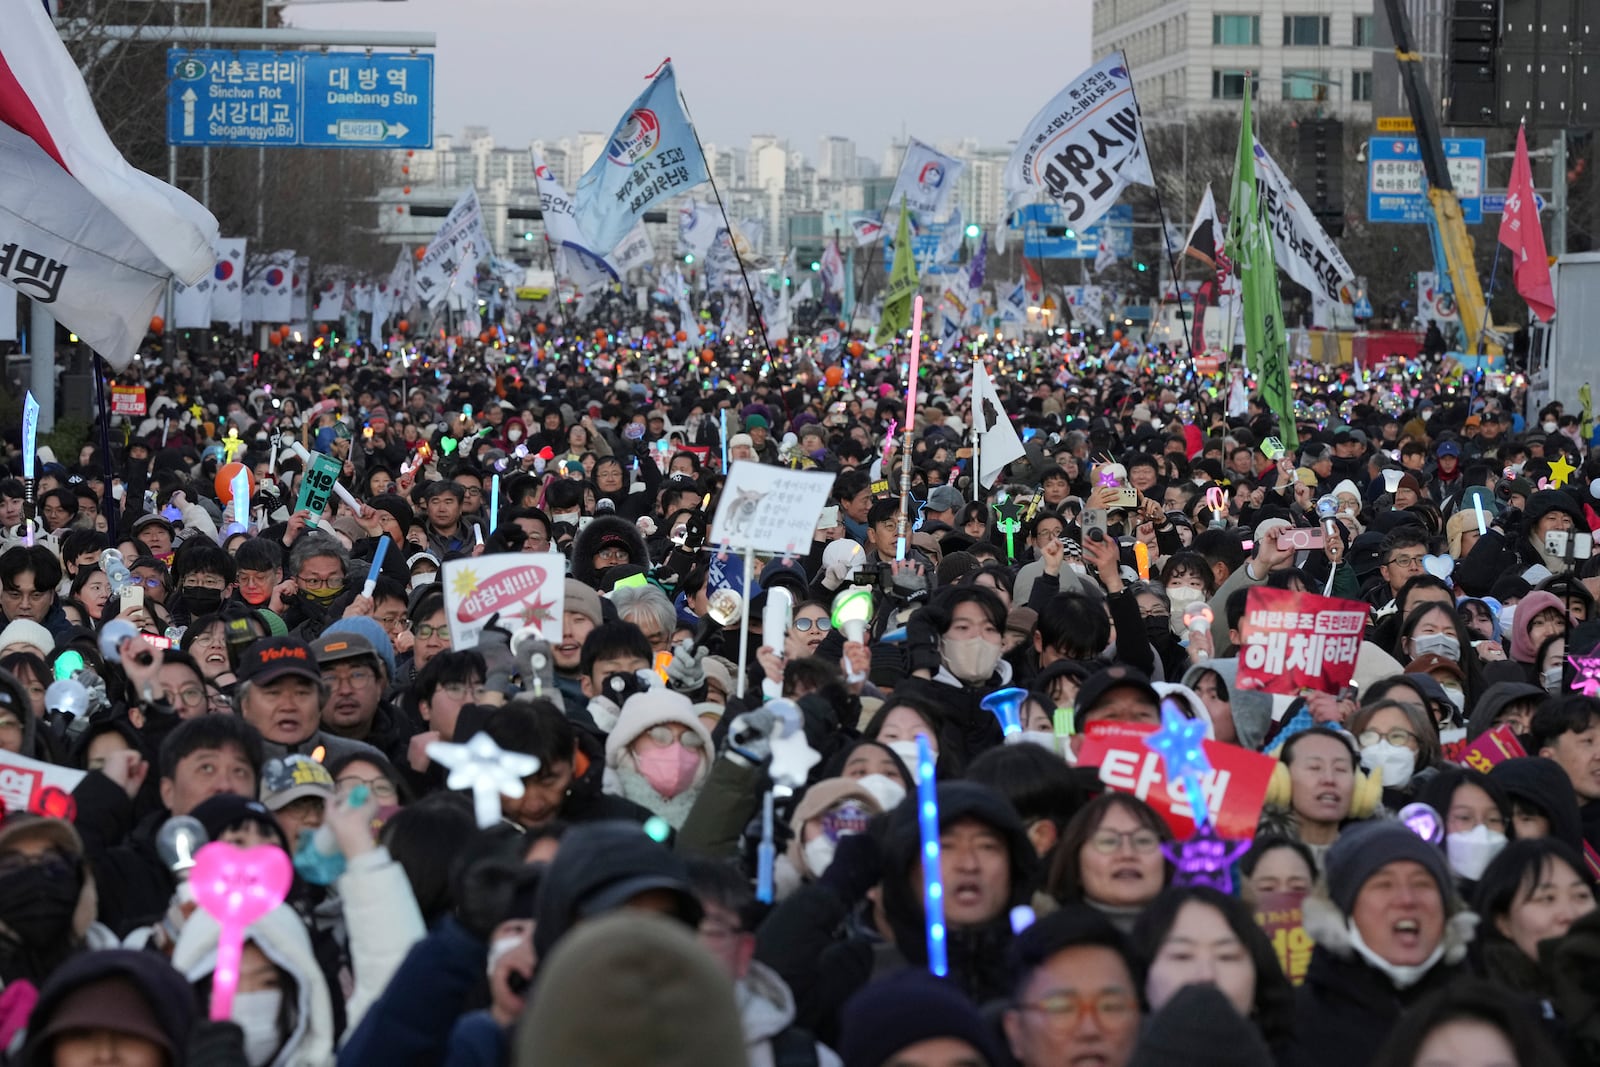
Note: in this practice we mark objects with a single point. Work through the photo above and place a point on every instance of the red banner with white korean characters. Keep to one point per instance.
(1291, 641)
(1234, 790)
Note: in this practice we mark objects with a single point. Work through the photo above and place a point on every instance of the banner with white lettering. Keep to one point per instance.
(517, 588)
(1305, 251)
(456, 249)
(1084, 147)
(1292, 641)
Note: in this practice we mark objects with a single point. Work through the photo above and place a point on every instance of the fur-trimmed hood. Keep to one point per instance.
(588, 542)
(1330, 928)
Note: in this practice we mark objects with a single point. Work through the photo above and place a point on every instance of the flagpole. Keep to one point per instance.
(1166, 242)
(109, 501)
(866, 282)
(749, 291)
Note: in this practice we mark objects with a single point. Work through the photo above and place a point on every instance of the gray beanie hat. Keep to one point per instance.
(1363, 850)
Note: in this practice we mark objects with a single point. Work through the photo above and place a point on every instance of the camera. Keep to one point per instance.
(905, 584)
(1300, 538)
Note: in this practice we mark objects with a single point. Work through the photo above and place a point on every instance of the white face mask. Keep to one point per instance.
(1548, 427)
(257, 1015)
(885, 790)
(907, 751)
(971, 659)
(1471, 852)
(1444, 645)
(419, 581)
(1552, 679)
(1456, 697)
(1396, 761)
(819, 854)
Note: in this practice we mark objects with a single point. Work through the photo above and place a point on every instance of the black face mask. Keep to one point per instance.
(1157, 627)
(37, 902)
(197, 601)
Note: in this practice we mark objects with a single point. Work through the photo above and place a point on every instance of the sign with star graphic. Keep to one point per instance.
(517, 588)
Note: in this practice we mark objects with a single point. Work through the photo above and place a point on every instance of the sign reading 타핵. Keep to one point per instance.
(287, 99)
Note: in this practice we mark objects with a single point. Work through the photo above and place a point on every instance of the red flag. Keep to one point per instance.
(1521, 233)
(1035, 282)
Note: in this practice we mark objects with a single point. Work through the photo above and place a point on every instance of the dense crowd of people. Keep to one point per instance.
(174, 673)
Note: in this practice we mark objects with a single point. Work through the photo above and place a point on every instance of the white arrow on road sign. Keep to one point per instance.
(188, 98)
(366, 130)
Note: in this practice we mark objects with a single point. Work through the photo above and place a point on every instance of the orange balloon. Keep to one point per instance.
(856, 348)
(403, 326)
(322, 328)
(274, 339)
(708, 356)
(682, 335)
(538, 328)
(406, 189)
(223, 482)
(422, 250)
(157, 324)
(1116, 335)
(833, 376)
(485, 336)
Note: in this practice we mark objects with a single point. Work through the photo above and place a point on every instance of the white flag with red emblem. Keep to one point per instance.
(80, 230)
(1523, 236)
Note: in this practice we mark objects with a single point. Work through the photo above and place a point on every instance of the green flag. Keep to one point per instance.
(902, 282)
(1249, 244)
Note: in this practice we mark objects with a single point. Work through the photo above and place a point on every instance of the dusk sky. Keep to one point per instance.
(864, 69)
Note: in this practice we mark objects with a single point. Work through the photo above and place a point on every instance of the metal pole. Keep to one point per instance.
(1558, 195)
(170, 334)
(205, 152)
(77, 30)
(42, 364)
(261, 171)
(744, 624)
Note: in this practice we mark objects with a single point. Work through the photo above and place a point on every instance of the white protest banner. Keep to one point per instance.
(927, 180)
(521, 588)
(458, 246)
(23, 779)
(1305, 251)
(1084, 147)
(574, 260)
(769, 509)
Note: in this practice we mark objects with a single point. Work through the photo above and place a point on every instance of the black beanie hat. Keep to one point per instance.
(1198, 1027)
(903, 1009)
(1363, 850)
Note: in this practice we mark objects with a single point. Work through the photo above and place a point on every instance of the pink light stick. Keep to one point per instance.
(236, 886)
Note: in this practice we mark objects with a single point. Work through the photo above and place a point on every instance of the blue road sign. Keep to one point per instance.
(353, 100)
(241, 98)
(1495, 203)
(1036, 220)
(284, 99)
(1394, 178)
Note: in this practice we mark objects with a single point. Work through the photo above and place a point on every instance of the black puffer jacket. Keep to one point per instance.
(588, 541)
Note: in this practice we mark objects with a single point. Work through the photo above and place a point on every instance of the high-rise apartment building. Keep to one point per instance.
(1201, 53)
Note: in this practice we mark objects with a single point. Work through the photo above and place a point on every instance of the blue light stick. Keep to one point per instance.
(377, 566)
(724, 412)
(766, 853)
(1180, 744)
(30, 433)
(241, 498)
(932, 876)
(494, 503)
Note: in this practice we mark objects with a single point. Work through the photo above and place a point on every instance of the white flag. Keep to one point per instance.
(227, 288)
(568, 247)
(1014, 305)
(268, 282)
(1084, 147)
(927, 180)
(80, 229)
(634, 250)
(400, 283)
(697, 227)
(998, 443)
(191, 304)
(8, 316)
(867, 229)
(1104, 256)
(832, 269)
(330, 302)
(454, 251)
(298, 309)
(1305, 251)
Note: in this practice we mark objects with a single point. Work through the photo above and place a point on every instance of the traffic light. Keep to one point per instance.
(1141, 268)
(1472, 78)
(973, 230)
(1321, 171)
(815, 265)
(688, 257)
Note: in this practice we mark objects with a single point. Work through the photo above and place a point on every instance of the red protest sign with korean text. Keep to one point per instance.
(127, 400)
(1492, 747)
(1280, 917)
(1234, 789)
(1293, 641)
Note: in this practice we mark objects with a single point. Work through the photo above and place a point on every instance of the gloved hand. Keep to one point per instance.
(750, 736)
(857, 866)
(215, 1041)
(922, 639)
(494, 645)
(687, 671)
(1510, 522)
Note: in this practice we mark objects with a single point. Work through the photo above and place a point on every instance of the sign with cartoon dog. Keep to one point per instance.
(769, 509)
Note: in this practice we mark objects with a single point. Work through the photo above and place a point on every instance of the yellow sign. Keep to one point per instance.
(1396, 124)
(527, 293)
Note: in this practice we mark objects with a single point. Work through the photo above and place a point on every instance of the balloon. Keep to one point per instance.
(834, 376)
(708, 356)
(422, 250)
(485, 337)
(1116, 335)
(856, 348)
(157, 324)
(538, 328)
(682, 335)
(274, 339)
(223, 482)
(403, 326)
(322, 328)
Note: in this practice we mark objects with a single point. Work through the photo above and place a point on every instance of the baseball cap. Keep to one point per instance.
(283, 781)
(944, 498)
(269, 658)
(1097, 685)
(336, 647)
(154, 520)
(1448, 448)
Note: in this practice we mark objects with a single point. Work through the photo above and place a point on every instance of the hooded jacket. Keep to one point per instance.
(791, 868)
(1541, 784)
(282, 938)
(171, 1003)
(641, 713)
(766, 1010)
(587, 543)
(1494, 701)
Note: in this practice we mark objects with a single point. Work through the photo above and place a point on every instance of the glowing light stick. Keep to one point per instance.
(241, 498)
(30, 434)
(1477, 507)
(236, 886)
(766, 852)
(723, 413)
(487, 770)
(1422, 820)
(376, 568)
(1180, 744)
(494, 503)
(932, 876)
(911, 421)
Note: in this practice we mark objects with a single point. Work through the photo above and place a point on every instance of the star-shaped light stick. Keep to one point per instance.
(1205, 859)
(1586, 671)
(231, 443)
(1560, 471)
(485, 768)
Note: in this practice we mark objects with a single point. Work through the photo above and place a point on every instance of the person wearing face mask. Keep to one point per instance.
(659, 754)
(1477, 820)
(831, 809)
(954, 656)
(316, 593)
(47, 898)
(1400, 739)
(283, 1004)
(203, 576)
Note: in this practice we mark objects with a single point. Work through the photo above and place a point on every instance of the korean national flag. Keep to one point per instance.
(652, 157)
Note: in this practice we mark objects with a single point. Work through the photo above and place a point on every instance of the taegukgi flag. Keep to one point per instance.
(653, 155)
(1084, 147)
(80, 230)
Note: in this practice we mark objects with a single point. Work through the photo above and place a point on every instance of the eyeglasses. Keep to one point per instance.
(1397, 736)
(334, 582)
(611, 555)
(1108, 841)
(207, 581)
(192, 695)
(393, 622)
(804, 624)
(462, 690)
(1408, 562)
(423, 631)
(356, 677)
(663, 735)
(381, 788)
(1066, 1009)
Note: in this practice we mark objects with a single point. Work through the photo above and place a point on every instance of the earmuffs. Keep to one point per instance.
(1364, 799)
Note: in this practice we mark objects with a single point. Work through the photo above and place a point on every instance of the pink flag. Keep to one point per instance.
(1521, 233)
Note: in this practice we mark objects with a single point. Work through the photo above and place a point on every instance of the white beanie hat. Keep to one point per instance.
(27, 632)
